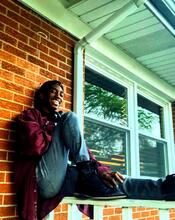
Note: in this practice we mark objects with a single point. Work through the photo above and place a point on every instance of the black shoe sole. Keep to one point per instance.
(84, 196)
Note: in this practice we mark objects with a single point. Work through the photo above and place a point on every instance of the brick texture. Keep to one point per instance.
(32, 50)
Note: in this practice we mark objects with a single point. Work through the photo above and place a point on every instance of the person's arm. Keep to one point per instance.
(110, 178)
(33, 133)
(100, 167)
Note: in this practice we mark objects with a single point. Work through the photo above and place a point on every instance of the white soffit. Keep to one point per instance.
(140, 37)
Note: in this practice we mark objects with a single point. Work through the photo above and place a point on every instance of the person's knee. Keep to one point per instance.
(70, 116)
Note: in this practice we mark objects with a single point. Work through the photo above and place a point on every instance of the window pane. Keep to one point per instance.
(108, 144)
(149, 117)
(152, 157)
(106, 105)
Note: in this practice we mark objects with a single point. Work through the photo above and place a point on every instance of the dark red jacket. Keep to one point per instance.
(34, 133)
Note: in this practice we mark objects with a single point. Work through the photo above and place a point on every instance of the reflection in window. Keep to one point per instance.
(149, 117)
(105, 114)
(152, 157)
(108, 144)
(105, 104)
(105, 99)
(151, 148)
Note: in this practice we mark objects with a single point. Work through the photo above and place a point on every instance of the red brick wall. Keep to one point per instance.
(32, 51)
(27, 59)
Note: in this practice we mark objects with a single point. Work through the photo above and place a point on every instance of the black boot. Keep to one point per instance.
(91, 186)
(168, 188)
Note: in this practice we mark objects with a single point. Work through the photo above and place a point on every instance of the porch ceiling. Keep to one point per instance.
(141, 35)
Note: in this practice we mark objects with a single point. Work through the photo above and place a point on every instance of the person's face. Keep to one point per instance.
(54, 98)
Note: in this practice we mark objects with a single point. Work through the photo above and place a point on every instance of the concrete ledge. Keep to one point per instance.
(125, 204)
(122, 203)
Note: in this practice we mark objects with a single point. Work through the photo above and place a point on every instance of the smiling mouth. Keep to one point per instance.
(56, 102)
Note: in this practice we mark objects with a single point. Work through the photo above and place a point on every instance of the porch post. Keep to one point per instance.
(73, 212)
(98, 212)
(126, 213)
(164, 214)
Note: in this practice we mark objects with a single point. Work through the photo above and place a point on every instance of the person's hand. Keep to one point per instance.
(112, 179)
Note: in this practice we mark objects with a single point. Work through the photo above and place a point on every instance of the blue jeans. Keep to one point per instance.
(67, 142)
(143, 188)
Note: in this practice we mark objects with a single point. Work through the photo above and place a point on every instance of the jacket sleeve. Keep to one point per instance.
(100, 167)
(33, 133)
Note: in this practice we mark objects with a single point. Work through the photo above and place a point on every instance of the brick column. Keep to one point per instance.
(32, 50)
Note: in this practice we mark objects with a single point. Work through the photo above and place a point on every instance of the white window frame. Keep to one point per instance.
(134, 88)
(167, 125)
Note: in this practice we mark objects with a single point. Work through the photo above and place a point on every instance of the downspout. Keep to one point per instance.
(92, 36)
